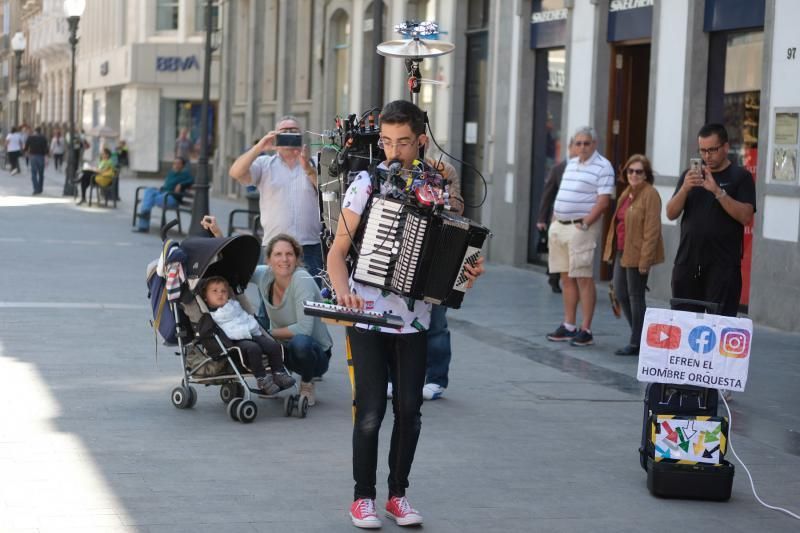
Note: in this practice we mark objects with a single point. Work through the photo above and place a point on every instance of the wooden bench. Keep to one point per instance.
(183, 206)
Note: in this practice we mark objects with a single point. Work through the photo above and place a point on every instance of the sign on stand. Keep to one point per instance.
(698, 349)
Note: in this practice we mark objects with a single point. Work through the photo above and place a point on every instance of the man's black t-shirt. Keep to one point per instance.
(37, 145)
(709, 235)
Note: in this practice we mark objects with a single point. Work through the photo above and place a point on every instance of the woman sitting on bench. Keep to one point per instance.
(103, 174)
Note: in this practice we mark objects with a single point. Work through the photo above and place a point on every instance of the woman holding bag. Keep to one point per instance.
(634, 244)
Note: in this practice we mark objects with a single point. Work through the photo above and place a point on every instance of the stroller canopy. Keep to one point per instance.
(234, 258)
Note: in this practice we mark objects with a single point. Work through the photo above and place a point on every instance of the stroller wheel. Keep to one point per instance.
(227, 392)
(232, 408)
(192, 397)
(302, 407)
(181, 397)
(246, 411)
(288, 405)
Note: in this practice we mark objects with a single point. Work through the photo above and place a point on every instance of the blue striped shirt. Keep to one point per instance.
(581, 185)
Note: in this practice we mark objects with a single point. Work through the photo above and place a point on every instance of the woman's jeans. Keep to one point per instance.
(373, 355)
(629, 288)
(306, 357)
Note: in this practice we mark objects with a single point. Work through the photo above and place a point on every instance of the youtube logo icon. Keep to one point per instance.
(664, 336)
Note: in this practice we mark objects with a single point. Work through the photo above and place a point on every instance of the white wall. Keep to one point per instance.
(139, 126)
(668, 122)
(579, 66)
(782, 215)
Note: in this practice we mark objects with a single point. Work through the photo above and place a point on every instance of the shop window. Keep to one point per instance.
(167, 15)
(742, 96)
(187, 118)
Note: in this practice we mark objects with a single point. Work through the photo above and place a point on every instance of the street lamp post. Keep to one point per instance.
(73, 9)
(18, 45)
(201, 186)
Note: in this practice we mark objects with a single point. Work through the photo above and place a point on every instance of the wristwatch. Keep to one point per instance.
(721, 193)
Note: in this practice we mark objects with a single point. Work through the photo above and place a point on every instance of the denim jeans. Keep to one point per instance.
(37, 172)
(312, 259)
(373, 355)
(439, 352)
(151, 198)
(629, 288)
(306, 357)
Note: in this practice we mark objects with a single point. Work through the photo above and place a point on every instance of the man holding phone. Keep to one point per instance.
(717, 200)
(287, 184)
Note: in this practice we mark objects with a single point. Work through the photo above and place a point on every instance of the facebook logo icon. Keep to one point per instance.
(702, 339)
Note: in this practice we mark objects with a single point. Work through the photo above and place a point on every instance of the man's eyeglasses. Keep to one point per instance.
(388, 143)
(710, 151)
(582, 143)
(637, 171)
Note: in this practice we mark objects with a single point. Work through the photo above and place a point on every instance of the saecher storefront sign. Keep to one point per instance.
(685, 348)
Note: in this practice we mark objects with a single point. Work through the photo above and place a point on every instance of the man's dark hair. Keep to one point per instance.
(37, 131)
(404, 112)
(714, 129)
(182, 160)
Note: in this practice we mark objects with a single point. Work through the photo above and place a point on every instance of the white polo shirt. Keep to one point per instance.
(288, 202)
(580, 186)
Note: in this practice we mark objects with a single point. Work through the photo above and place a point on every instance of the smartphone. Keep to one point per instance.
(696, 165)
(295, 140)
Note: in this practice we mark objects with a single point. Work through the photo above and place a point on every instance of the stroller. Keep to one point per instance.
(181, 318)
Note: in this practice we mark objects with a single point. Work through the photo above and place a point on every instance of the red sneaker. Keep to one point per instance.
(398, 509)
(363, 514)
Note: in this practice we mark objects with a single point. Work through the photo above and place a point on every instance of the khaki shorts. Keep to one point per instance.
(571, 250)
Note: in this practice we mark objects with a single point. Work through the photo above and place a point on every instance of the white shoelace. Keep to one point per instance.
(404, 506)
(367, 507)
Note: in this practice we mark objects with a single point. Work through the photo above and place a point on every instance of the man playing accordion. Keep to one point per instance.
(374, 350)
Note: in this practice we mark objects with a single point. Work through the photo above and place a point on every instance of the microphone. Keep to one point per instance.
(394, 167)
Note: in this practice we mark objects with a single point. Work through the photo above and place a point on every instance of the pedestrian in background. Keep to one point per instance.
(183, 145)
(634, 244)
(551, 185)
(585, 193)
(122, 152)
(36, 149)
(14, 145)
(57, 149)
(717, 201)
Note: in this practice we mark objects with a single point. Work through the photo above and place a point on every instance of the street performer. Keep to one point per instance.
(376, 351)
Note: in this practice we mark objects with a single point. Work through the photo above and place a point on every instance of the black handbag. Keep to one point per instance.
(541, 244)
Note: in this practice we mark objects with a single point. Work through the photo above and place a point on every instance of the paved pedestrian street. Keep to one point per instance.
(531, 436)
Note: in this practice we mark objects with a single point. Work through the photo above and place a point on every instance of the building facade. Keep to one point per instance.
(647, 74)
(140, 75)
(19, 79)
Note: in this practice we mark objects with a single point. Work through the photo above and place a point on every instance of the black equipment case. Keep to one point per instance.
(678, 480)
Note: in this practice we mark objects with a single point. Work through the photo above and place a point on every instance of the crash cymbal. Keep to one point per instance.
(419, 48)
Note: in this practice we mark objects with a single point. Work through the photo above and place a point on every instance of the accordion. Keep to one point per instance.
(416, 252)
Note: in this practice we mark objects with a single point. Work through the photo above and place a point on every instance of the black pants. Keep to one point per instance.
(254, 349)
(629, 288)
(86, 178)
(717, 283)
(13, 160)
(58, 159)
(373, 355)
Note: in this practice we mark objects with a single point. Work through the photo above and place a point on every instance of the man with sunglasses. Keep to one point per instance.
(583, 196)
(287, 184)
(717, 202)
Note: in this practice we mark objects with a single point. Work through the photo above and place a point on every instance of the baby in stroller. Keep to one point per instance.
(244, 332)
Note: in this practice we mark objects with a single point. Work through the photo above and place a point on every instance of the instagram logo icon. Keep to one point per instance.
(734, 342)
